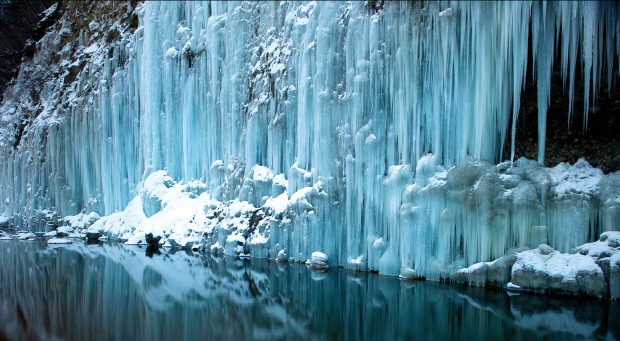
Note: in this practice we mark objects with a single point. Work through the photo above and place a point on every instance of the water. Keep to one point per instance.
(115, 292)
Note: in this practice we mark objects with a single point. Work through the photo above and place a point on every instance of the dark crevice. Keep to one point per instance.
(568, 140)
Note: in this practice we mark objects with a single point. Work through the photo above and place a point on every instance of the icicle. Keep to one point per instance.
(589, 55)
(520, 53)
(544, 53)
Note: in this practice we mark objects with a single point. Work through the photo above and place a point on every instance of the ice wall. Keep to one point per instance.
(341, 98)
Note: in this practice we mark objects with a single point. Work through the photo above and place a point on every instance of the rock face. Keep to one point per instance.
(594, 270)
(614, 279)
(18, 24)
(606, 252)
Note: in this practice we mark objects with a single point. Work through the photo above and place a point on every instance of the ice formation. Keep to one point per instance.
(281, 128)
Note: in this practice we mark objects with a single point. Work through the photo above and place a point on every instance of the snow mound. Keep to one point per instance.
(175, 211)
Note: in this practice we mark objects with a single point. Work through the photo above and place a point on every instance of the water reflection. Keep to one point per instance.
(112, 292)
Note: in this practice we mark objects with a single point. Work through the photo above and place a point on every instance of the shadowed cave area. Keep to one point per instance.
(567, 141)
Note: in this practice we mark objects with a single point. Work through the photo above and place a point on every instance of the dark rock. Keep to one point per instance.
(603, 263)
(614, 280)
(93, 235)
(152, 250)
(18, 22)
(152, 241)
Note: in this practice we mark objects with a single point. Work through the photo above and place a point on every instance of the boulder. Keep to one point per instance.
(494, 273)
(318, 260)
(551, 271)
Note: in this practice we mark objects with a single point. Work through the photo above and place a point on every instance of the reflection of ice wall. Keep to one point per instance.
(335, 96)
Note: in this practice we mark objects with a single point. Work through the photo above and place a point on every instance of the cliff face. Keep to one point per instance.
(378, 126)
(59, 74)
(18, 25)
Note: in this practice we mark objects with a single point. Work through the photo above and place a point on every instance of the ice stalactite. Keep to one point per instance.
(357, 108)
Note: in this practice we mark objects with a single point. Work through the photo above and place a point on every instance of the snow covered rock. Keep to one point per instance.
(64, 231)
(494, 273)
(93, 235)
(22, 235)
(593, 270)
(4, 222)
(410, 274)
(544, 269)
(606, 253)
(357, 264)
(81, 220)
(318, 260)
(282, 257)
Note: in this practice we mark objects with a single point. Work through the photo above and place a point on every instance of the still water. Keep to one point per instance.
(115, 292)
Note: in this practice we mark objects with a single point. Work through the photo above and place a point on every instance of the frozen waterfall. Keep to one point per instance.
(381, 125)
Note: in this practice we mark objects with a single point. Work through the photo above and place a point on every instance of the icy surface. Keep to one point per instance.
(249, 128)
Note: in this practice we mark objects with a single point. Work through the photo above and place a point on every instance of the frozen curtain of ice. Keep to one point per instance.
(346, 100)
